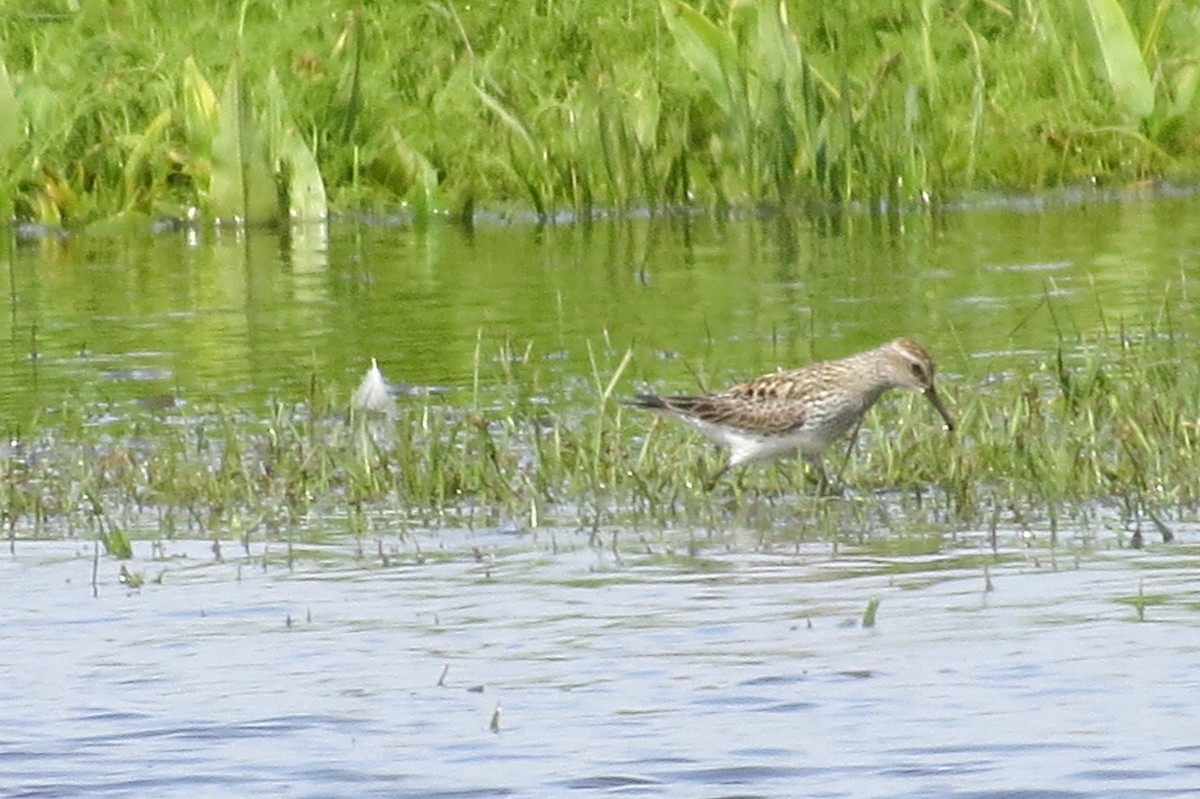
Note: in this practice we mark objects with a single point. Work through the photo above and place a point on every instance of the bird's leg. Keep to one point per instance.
(849, 449)
(711, 482)
(818, 466)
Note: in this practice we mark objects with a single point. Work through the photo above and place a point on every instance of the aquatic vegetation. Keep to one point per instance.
(1100, 438)
(109, 112)
(872, 610)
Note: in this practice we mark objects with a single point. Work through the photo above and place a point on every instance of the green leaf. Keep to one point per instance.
(141, 160)
(10, 115)
(306, 197)
(779, 51)
(200, 108)
(868, 618)
(243, 181)
(350, 92)
(307, 201)
(1186, 81)
(116, 543)
(422, 195)
(1121, 58)
(646, 111)
(710, 51)
(509, 117)
(10, 138)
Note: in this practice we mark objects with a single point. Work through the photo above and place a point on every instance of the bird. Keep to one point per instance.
(801, 410)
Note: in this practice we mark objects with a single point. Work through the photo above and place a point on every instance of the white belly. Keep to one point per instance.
(745, 447)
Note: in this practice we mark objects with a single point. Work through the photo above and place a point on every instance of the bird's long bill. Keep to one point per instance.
(936, 401)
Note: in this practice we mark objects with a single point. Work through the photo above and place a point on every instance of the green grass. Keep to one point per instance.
(1100, 436)
(119, 110)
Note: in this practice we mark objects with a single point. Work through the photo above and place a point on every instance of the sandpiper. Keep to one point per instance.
(801, 410)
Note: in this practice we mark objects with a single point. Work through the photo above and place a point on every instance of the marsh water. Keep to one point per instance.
(498, 661)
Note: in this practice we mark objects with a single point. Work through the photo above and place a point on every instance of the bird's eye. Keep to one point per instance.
(918, 371)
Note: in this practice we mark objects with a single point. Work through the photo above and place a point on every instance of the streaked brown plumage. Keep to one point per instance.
(802, 410)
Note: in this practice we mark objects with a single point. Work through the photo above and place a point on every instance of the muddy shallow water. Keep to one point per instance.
(493, 665)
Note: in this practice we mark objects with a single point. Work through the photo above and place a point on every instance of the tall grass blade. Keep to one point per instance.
(200, 108)
(243, 182)
(782, 101)
(1121, 58)
(1186, 81)
(350, 85)
(297, 166)
(422, 195)
(508, 117)
(307, 201)
(10, 118)
(10, 138)
(869, 615)
(529, 174)
(781, 55)
(616, 376)
(708, 50)
(142, 162)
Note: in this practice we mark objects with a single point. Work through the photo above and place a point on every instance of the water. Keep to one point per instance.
(751, 678)
(488, 662)
(205, 316)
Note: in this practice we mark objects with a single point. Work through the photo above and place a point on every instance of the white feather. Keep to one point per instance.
(373, 394)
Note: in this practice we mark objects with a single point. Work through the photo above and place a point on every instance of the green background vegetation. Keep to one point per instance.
(126, 109)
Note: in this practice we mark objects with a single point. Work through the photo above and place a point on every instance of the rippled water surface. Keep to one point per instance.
(532, 661)
(494, 666)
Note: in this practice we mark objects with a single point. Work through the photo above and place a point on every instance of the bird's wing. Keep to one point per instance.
(772, 386)
(766, 416)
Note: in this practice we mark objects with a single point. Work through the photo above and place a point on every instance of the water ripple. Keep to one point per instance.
(435, 682)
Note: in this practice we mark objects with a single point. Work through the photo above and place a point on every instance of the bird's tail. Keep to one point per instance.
(649, 402)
